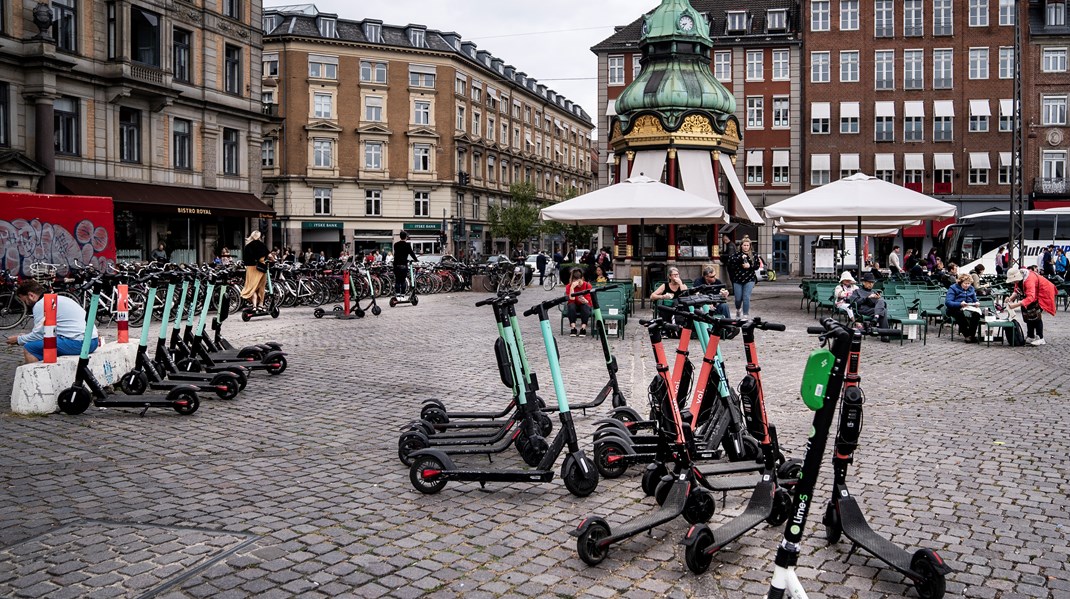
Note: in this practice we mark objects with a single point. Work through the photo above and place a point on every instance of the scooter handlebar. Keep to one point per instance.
(537, 308)
(815, 330)
(605, 288)
(486, 302)
(772, 326)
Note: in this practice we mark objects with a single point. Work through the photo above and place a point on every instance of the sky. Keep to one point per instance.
(549, 40)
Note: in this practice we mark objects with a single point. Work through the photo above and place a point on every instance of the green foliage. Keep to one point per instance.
(575, 235)
(519, 221)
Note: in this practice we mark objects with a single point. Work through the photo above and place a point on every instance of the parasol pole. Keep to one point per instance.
(858, 247)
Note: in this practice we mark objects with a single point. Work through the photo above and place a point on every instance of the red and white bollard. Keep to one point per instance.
(345, 292)
(122, 316)
(50, 329)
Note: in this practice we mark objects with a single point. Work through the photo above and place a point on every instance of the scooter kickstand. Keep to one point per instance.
(143, 411)
(854, 547)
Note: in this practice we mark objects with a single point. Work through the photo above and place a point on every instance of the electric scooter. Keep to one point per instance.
(844, 516)
(217, 342)
(270, 306)
(409, 296)
(611, 388)
(432, 469)
(87, 390)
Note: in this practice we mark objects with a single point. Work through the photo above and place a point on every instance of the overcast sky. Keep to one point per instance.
(549, 40)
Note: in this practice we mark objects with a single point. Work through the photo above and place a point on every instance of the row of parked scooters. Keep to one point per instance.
(188, 359)
(721, 440)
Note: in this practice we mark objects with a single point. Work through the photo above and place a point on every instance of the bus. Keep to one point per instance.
(975, 239)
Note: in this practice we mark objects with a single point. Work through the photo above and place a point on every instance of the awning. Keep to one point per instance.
(755, 157)
(781, 158)
(914, 162)
(166, 199)
(849, 162)
(848, 110)
(1005, 159)
(696, 174)
(820, 110)
(743, 207)
(884, 108)
(943, 108)
(426, 69)
(649, 163)
(979, 160)
(1006, 107)
(820, 162)
(980, 108)
(943, 162)
(884, 162)
(611, 158)
(492, 92)
(914, 109)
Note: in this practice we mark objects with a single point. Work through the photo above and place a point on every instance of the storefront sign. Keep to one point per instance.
(320, 225)
(194, 211)
(372, 233)
(422, 226)
(477, 228)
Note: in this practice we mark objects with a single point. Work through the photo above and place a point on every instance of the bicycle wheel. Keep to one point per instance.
(12, 311)
(490, 282)
(135, 307)
(550, 281)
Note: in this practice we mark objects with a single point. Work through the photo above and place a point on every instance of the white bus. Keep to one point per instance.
(975, 239)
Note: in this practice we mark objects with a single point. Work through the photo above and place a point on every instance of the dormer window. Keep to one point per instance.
(326, 27)
(270, 22)
(416, 38)
(1056, 13)
(776, 20)
(373, 32)
(737, 22)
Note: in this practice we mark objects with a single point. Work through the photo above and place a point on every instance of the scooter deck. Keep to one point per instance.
(498, 446)
(669, 511)
(448, 440)
(730, 483)
(731, 468)
(758, 509)
(859, 532)
(500, 476)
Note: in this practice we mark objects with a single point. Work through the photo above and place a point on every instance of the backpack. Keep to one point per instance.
(1013, 336)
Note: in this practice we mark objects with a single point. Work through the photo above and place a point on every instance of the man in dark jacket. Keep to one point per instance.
(540, 263)
(867, 301)
(402, 255)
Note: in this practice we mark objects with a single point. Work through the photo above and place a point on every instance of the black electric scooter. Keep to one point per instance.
(432, 469)
(270, 306)
(409, 296)
(87, 390)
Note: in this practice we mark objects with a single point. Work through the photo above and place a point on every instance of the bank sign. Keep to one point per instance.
(320, 225)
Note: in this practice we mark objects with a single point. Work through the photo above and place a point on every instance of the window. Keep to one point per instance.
(884, 69)
(780, 65)
(849, 118)
(943, 75)
(616, 70)
(780, 113)
(884, 128)
(755, 65)
(637, 66)
(490, 127)
(232, 9)
(978, 63)
(1053, 164)
(373, 109)
(424, 77)
(476, 206)
(322, 106)
(942, 128)
(144, 37)
(322, 156)
(269, 22)
(755, 174)
(848, 15)
(5, 115)
(780, 174)
(1055, 14)
(230, 151)
(913, 18)
(111, 28)
(327, 27)
(65, 25)
(819, 117)
(978, 13)
(232, 69)
(1006, 62)
(776, 20)
(979, 113)
(421, 158)
(819, 15)
(883, 18)
(819, 169)
(848, 66)
(373, 32)
(491, 170)
(477, 124)
(755, 112)
(421, 203)
(913, 69)
(722, 66)
(819, 67)
(267, 152)
(460, 87)
(321, 200)
(942, 179)
(181, 144)
(942, 17)
(1054, 60)
(1006, 115)
(373, 202)
(736, 21)
(373, 155)
(914, 128)
(421, 112)
(129, 135)
(416, 38)
(68, 126)
(1004, 176)
(477, 92)
(1053, 110)
(978, 176)
(270, 65)
(461, 120)
(913, 179)
(1006, 12)
(370, 72)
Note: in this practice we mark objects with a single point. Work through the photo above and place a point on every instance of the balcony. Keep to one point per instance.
(147, 73)
(1051, 186)
(271, 109)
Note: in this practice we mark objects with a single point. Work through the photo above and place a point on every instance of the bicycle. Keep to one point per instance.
(12, 310)
(552, 278)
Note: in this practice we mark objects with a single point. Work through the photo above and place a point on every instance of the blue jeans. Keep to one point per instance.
(64, 347)
(742, 292)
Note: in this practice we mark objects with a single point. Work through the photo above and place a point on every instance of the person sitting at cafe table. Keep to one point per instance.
(867, 301)
(963, 307)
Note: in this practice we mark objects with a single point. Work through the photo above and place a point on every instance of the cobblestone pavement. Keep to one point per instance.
(295, 488)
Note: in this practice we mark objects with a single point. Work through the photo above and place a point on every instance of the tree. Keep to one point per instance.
(574, 235)
(518, 221)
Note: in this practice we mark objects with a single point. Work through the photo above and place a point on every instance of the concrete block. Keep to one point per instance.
(37, 385)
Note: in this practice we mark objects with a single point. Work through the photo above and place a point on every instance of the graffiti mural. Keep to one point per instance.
(64, 230)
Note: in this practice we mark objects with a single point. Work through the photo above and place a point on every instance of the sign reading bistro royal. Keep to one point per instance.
(196, 211)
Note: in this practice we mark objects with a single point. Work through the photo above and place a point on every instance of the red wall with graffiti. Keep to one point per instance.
(63, 230)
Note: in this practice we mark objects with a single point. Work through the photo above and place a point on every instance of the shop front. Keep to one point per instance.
(425, 238)
(473, 236)
(367, 240)
(322, 236)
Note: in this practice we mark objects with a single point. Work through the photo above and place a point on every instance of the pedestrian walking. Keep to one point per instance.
(540, 263)
(742, 267)
(254, 256)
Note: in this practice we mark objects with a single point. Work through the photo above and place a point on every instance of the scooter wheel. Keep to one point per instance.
(781, 507)
(699, 507)
(376, 310)
(425, 474)
(587, 544)
(189, 365)
(74, 400)
(318, 313)
(409, 442)
(532, 449)
(661, 492)
(281, 368)
(546, 424)
(609, 459)
(393, 302)
(422, 426)
(246, 353)
(184, 402)
(434, 415)
(581, 479)
(415, 299)
(134, 383)
(651, 477)
(699, 539)
(229, 382)
(359, 313)
(931, 584)
(790, 470)
(833, 528)
(246, 316)
(240, 373)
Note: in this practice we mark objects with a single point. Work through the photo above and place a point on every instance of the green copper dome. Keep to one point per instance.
(676, 73)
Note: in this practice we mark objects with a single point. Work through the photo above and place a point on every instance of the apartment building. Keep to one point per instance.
(390, 128)
(1045, 135)
(155, 103)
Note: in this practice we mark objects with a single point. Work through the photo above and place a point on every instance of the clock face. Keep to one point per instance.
(646, 27)
(686, 23)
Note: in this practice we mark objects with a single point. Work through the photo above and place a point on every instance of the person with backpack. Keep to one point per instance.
(1034, 295)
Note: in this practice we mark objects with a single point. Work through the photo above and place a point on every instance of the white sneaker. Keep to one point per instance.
(1029, 340)
(1037, 342)
(746, 317)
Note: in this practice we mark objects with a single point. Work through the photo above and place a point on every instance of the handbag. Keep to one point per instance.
(1031, 312)
(261, 266)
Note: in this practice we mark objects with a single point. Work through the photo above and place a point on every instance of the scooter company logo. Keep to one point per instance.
(800, 514)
